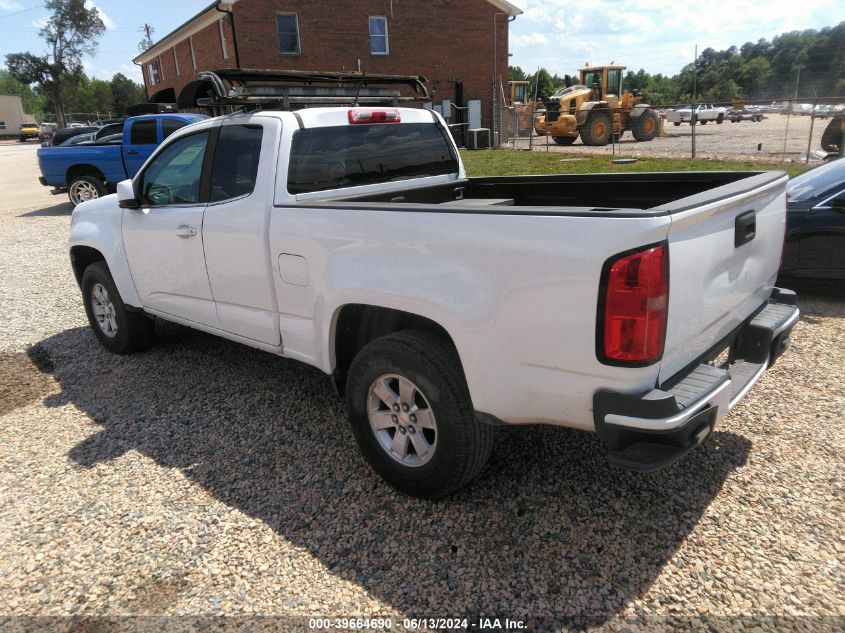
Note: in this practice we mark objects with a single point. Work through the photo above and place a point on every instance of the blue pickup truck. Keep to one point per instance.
(90, 171)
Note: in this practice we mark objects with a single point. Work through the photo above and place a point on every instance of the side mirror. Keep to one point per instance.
(126, 196)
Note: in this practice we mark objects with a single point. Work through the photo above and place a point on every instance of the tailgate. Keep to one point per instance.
(724, 253)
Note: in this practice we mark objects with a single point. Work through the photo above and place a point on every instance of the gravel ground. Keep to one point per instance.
(203, 478)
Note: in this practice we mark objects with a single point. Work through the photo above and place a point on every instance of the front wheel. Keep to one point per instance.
(412, 417)
(596, 131)
(84, 188)
(119, 330)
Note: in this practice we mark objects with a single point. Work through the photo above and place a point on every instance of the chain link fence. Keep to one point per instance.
(787, 130)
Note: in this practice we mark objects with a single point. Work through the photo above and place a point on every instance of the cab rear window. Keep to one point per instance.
(356, 155)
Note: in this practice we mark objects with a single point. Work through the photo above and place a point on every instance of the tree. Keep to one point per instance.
(32, 102)
(70, 33)
(125, 93)
(515, 73)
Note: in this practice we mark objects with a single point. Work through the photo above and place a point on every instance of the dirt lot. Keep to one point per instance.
(202, 478)
(777, 138)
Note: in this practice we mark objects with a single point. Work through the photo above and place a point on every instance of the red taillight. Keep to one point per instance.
(635, 306)
(362, 115)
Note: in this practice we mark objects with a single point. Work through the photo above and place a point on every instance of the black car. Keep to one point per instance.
(815, 224)
(69, 132)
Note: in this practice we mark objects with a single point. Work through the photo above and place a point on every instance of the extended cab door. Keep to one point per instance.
(236, 225)
(163, 238)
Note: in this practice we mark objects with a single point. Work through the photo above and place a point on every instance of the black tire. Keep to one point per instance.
(646, 126)
(703, 122)
(677, 123)
(461, 444)
(720, 119)
(597, 129)
(832, 137)
(564, 140)
(87, 187)
(134, 330)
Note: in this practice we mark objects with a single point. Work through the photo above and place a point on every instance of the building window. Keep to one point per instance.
(223, 41)
(193, 56)
(288, 26)
(378, 35)
(155, 73)
(175, 60)
(2, 125)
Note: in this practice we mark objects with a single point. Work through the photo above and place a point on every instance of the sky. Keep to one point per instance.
(559, 35)
(659, 35)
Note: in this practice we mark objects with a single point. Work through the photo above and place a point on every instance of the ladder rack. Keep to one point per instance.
(291, 90)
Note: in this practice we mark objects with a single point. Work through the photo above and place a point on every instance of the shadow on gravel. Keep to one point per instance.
(548, 529)
(66, 208)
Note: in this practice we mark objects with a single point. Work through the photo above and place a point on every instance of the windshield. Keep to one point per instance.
(816, 181)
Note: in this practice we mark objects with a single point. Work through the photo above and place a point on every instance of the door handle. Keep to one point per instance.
(186, 231)
(132, 152)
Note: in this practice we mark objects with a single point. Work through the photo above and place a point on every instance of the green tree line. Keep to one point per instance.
(809, 64)
(82, 95)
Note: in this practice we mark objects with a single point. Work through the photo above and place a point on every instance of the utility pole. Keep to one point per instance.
(147, 42)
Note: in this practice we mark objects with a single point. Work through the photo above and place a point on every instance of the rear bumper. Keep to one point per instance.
(650, 431)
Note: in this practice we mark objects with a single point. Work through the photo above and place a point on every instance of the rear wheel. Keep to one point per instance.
(412, 417)
(118, 330)
(646, 125)
(677, 123)
(833, 134)
(84, 188)
(703, 122)
(564, 140)
(596, 131)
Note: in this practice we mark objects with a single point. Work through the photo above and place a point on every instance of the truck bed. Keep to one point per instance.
(608, 195)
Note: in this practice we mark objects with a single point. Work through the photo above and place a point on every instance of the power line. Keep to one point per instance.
(8, 15)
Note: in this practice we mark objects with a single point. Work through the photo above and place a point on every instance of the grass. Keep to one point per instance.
(501, 162)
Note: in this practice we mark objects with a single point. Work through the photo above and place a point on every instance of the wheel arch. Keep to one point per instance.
(84, 169)
(81, 257)
(354, 325)
(588, 107)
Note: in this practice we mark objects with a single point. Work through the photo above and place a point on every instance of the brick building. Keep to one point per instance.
(452, 43)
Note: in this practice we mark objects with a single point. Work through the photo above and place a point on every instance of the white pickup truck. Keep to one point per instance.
(444, 306)
(704, 113)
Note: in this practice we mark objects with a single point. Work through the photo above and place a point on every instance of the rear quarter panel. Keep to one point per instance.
(56, 162)
(517, 293)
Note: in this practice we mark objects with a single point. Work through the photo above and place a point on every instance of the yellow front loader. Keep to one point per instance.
(597, 110)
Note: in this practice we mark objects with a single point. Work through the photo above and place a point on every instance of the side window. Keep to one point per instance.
(614, 81)
(2, 125)
(143, 133)
(288, 27)
(235, 161)
(173, 177)
(378, 36)
(169, 126)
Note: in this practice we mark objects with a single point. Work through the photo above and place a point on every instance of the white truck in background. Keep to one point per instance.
(352, 239)
(704, 113)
